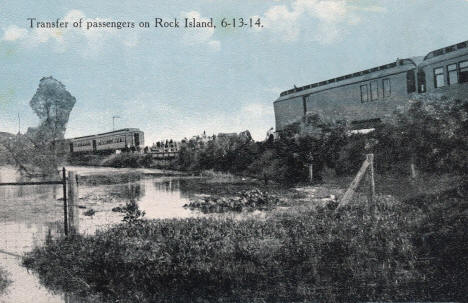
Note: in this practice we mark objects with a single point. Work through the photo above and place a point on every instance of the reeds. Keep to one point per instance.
(358, 253)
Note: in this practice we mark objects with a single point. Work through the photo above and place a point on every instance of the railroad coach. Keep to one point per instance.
(127, 138)
(445, 71)
(367, 97)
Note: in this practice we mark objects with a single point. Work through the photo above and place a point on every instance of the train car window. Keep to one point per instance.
(439, 77)
(374, 88)
(386, 88)
(364, 93)
(452, 73)
(463, 76)
(410, 82)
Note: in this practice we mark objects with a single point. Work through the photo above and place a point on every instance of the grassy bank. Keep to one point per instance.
(111, 178)
(357, 253)
(130, 160)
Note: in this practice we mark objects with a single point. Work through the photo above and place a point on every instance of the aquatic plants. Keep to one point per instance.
(357, 253)
(254, 199)
(90, 212)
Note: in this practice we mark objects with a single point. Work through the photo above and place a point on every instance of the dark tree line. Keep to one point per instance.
(433, 134)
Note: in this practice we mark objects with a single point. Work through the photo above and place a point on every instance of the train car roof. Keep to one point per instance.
(379, 71)
(108, 133)
(446, 50)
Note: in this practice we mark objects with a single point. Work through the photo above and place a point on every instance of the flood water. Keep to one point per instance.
(30, 213)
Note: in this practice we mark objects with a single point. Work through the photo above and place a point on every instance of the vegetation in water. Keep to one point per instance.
(90, 212)
(359, 253)
(254, 199)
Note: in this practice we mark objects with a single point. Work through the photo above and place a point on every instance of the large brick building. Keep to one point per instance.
(374, 94)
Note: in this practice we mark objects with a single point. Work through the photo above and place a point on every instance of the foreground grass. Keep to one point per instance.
(357, 253)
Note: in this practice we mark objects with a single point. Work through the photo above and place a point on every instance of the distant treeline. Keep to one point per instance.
(432, 134)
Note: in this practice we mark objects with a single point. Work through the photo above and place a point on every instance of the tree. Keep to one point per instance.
(52, 103)
(35, 150)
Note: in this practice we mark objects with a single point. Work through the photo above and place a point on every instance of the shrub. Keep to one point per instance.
(354, 254)
(132, 213)
(441, 242)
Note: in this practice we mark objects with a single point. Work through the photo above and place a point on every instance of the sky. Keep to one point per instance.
(179, 82)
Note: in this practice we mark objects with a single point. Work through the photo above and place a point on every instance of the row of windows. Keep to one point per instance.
(370, 92)
(456, 73)
(82, 143)
(111, 140)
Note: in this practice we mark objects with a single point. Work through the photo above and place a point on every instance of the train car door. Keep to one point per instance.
(71, 147)
(410, 82)
(136, 137)
(421, 81)
(94, 146)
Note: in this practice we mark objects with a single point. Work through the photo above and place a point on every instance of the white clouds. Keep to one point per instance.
(199, 35)
(214, 45)
(282, 21)
(13, 33)
(62, 39)
(319, 20)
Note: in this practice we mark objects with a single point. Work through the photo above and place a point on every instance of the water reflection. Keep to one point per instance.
(31, 214)
(159, 199)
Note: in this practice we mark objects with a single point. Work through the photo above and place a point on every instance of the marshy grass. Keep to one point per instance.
(355, 254)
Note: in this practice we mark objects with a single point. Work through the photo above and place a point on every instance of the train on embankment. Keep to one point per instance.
(127, 139)
(365, 98)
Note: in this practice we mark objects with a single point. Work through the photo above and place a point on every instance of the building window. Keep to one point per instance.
(438, 77)
(386, 88)
(452, 73)
(374, 90)
(364, 93)
(463, 76)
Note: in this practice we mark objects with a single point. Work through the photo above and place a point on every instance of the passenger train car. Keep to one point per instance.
(370, 96)
(127, 138)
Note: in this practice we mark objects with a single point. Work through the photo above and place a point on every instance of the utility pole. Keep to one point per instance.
(113, 121)
(19, 124)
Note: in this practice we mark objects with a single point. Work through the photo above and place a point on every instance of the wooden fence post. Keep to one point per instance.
(353, 186)
(368, 164)
(311, 173)
(65, 205)
(414, 173)
(72, 202)
(370, 159)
